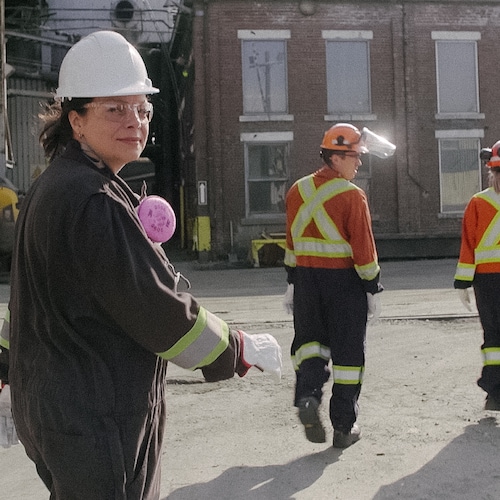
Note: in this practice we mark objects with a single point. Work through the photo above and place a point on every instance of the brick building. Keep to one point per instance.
(248, 89)
(271, 76)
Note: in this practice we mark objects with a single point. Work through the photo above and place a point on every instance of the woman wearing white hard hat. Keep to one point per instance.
(95, 313)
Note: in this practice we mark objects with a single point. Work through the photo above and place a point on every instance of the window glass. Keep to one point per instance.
(267, 177)
(348, 77)
(457, 77)
(460, 172)
(264, 76)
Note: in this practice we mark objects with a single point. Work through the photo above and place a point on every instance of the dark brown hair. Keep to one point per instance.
(56, 130)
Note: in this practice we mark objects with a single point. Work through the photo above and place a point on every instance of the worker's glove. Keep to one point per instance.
(374, 307)
(288, 299)
(464, 296)
(262, 351)
(8, 435)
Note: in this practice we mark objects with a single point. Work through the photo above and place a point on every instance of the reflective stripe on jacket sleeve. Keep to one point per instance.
(369, 271)
(290, 259)
(202, 345)
(465, 272)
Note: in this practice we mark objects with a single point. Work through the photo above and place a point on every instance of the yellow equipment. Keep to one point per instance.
(9, 210)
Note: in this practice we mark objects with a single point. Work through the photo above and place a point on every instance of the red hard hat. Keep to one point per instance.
(494, 161)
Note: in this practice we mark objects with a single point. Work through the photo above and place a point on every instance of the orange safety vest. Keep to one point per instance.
(480, 244)
(329, 225)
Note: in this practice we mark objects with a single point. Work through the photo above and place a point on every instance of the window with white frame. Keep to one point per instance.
(348, 71)
(266, 172)
(457, 72)
(459, 168)
(264, 71)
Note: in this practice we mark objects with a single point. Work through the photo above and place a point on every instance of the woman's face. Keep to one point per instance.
(114, 128)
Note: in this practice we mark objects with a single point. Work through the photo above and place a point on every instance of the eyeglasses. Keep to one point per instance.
(353, 155)
(117, 112)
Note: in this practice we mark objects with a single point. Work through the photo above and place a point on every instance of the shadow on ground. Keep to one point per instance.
(279, 482)
(466, 469)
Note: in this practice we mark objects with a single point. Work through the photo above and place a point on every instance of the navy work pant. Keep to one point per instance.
(487, 292)
(330, 309)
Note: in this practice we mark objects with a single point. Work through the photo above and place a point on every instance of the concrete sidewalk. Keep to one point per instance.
(413, 289)
(420, 289)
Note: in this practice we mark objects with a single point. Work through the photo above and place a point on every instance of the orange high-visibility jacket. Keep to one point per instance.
(480, 245)
(329, 225)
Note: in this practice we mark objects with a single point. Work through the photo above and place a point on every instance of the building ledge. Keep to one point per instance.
(459, 116)
(360, 117)
(266, 118)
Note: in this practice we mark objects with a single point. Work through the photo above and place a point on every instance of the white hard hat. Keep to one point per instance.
(103, 64)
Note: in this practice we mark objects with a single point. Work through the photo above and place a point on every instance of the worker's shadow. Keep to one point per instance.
(279, 482)
(467, 468)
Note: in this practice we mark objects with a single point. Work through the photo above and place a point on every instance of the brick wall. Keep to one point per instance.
(404, 190)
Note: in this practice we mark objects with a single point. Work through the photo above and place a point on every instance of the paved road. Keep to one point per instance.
(208, 281)
(252, 298)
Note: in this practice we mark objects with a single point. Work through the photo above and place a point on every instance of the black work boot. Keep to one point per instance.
(309, 416)
(492, 404)
(345, 439)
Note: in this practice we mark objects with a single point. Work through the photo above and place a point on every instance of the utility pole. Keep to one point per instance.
(3, 94)
(6, 70)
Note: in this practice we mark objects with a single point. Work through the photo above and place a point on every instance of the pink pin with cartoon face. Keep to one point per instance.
(157, 217)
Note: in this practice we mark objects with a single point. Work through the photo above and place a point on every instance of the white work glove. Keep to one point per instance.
(374, 307)
(288, 299)
(464, 296)
(8, 434)
(262, 351)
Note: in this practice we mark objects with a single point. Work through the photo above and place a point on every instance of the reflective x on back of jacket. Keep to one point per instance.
(330, 244)
(485, 257)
